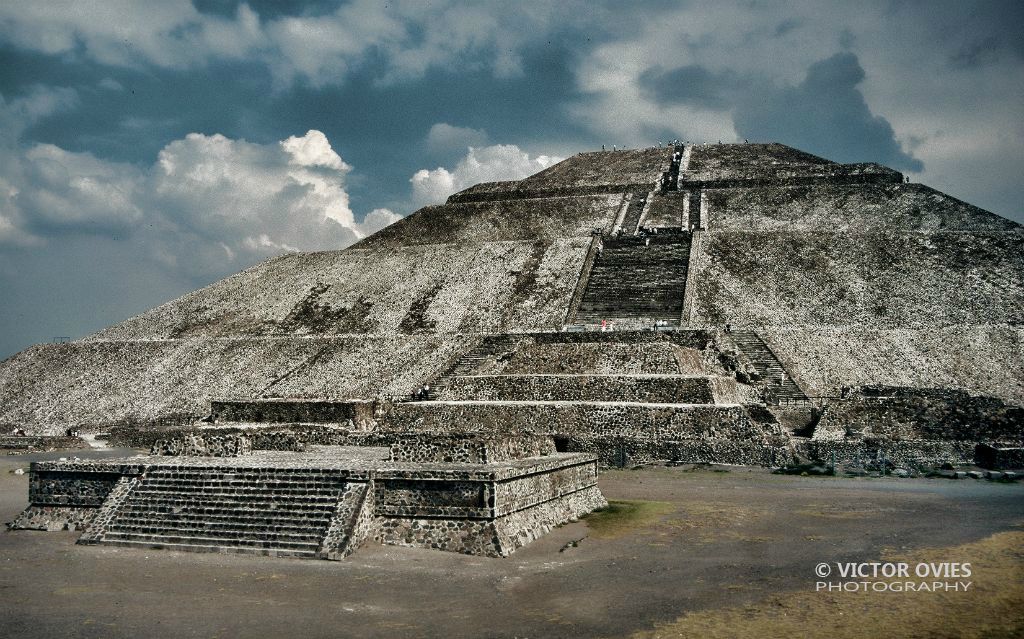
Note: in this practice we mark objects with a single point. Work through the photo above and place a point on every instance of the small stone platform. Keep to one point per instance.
(322, 503)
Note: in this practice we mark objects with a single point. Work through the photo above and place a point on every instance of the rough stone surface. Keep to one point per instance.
(848, 275)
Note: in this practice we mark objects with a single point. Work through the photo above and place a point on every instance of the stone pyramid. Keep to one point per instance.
(741, 303)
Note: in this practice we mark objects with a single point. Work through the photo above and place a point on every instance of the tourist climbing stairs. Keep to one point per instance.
(271, 511)
(634, 210)
(768, 366)
(670, 179)
(636, 281)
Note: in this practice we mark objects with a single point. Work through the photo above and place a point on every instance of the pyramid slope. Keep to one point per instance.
(504, 266)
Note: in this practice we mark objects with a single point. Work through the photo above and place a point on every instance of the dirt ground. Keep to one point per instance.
(681, 551)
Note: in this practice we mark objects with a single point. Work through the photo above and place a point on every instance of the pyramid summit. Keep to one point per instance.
(727, 302)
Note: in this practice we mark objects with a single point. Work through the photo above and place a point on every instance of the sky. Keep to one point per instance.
(150, 148)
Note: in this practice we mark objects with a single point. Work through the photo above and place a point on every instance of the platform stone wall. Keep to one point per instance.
(70, 489)
(659, 421)
(617, 388)
(906, 453)
(925, 414)
(469, 447)
(615, 451)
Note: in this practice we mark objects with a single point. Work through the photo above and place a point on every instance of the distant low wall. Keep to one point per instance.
(910, 453)
(626, 451)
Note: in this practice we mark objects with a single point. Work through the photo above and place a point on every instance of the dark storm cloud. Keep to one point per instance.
(825, 114)
(786, 26)
(692, 84)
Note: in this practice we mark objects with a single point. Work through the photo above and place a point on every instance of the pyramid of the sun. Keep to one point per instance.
(778, 282)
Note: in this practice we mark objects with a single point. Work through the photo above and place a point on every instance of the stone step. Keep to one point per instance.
(181, 486)
(254, 520)
(268, 502)
(140, 538)
(243, 472)
(281, 489)
(767, 365)
(167, 529)
(194, 547)
(633, 211)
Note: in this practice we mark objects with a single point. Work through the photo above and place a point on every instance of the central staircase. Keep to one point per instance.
(268, 511)
(637, 280)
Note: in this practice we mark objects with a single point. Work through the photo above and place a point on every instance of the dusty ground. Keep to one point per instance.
(721, 553)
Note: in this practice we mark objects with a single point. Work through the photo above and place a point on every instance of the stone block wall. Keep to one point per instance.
(633, 451)
(656, 421)
(907, 453)
(923, 413)
(471, 448)
(610, 388)
(290, 410)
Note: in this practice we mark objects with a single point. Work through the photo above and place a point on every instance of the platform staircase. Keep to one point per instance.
(268, 511)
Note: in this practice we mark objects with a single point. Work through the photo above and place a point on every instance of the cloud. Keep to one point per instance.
(77, 192)
(129, 34)
(826, 114)
(217, 196)
(207, 205)
(321, 48)
(445, 138)
(487, 164)
(691, 84)
(36, 104)
(377, 219)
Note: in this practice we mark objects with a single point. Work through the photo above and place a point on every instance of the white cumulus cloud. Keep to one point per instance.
(208, 204)
(488, 164)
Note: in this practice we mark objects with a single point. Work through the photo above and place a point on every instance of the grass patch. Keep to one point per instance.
(625, 515)
(990, 608)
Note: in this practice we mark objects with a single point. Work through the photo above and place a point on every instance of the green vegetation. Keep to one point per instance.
(625, 515)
